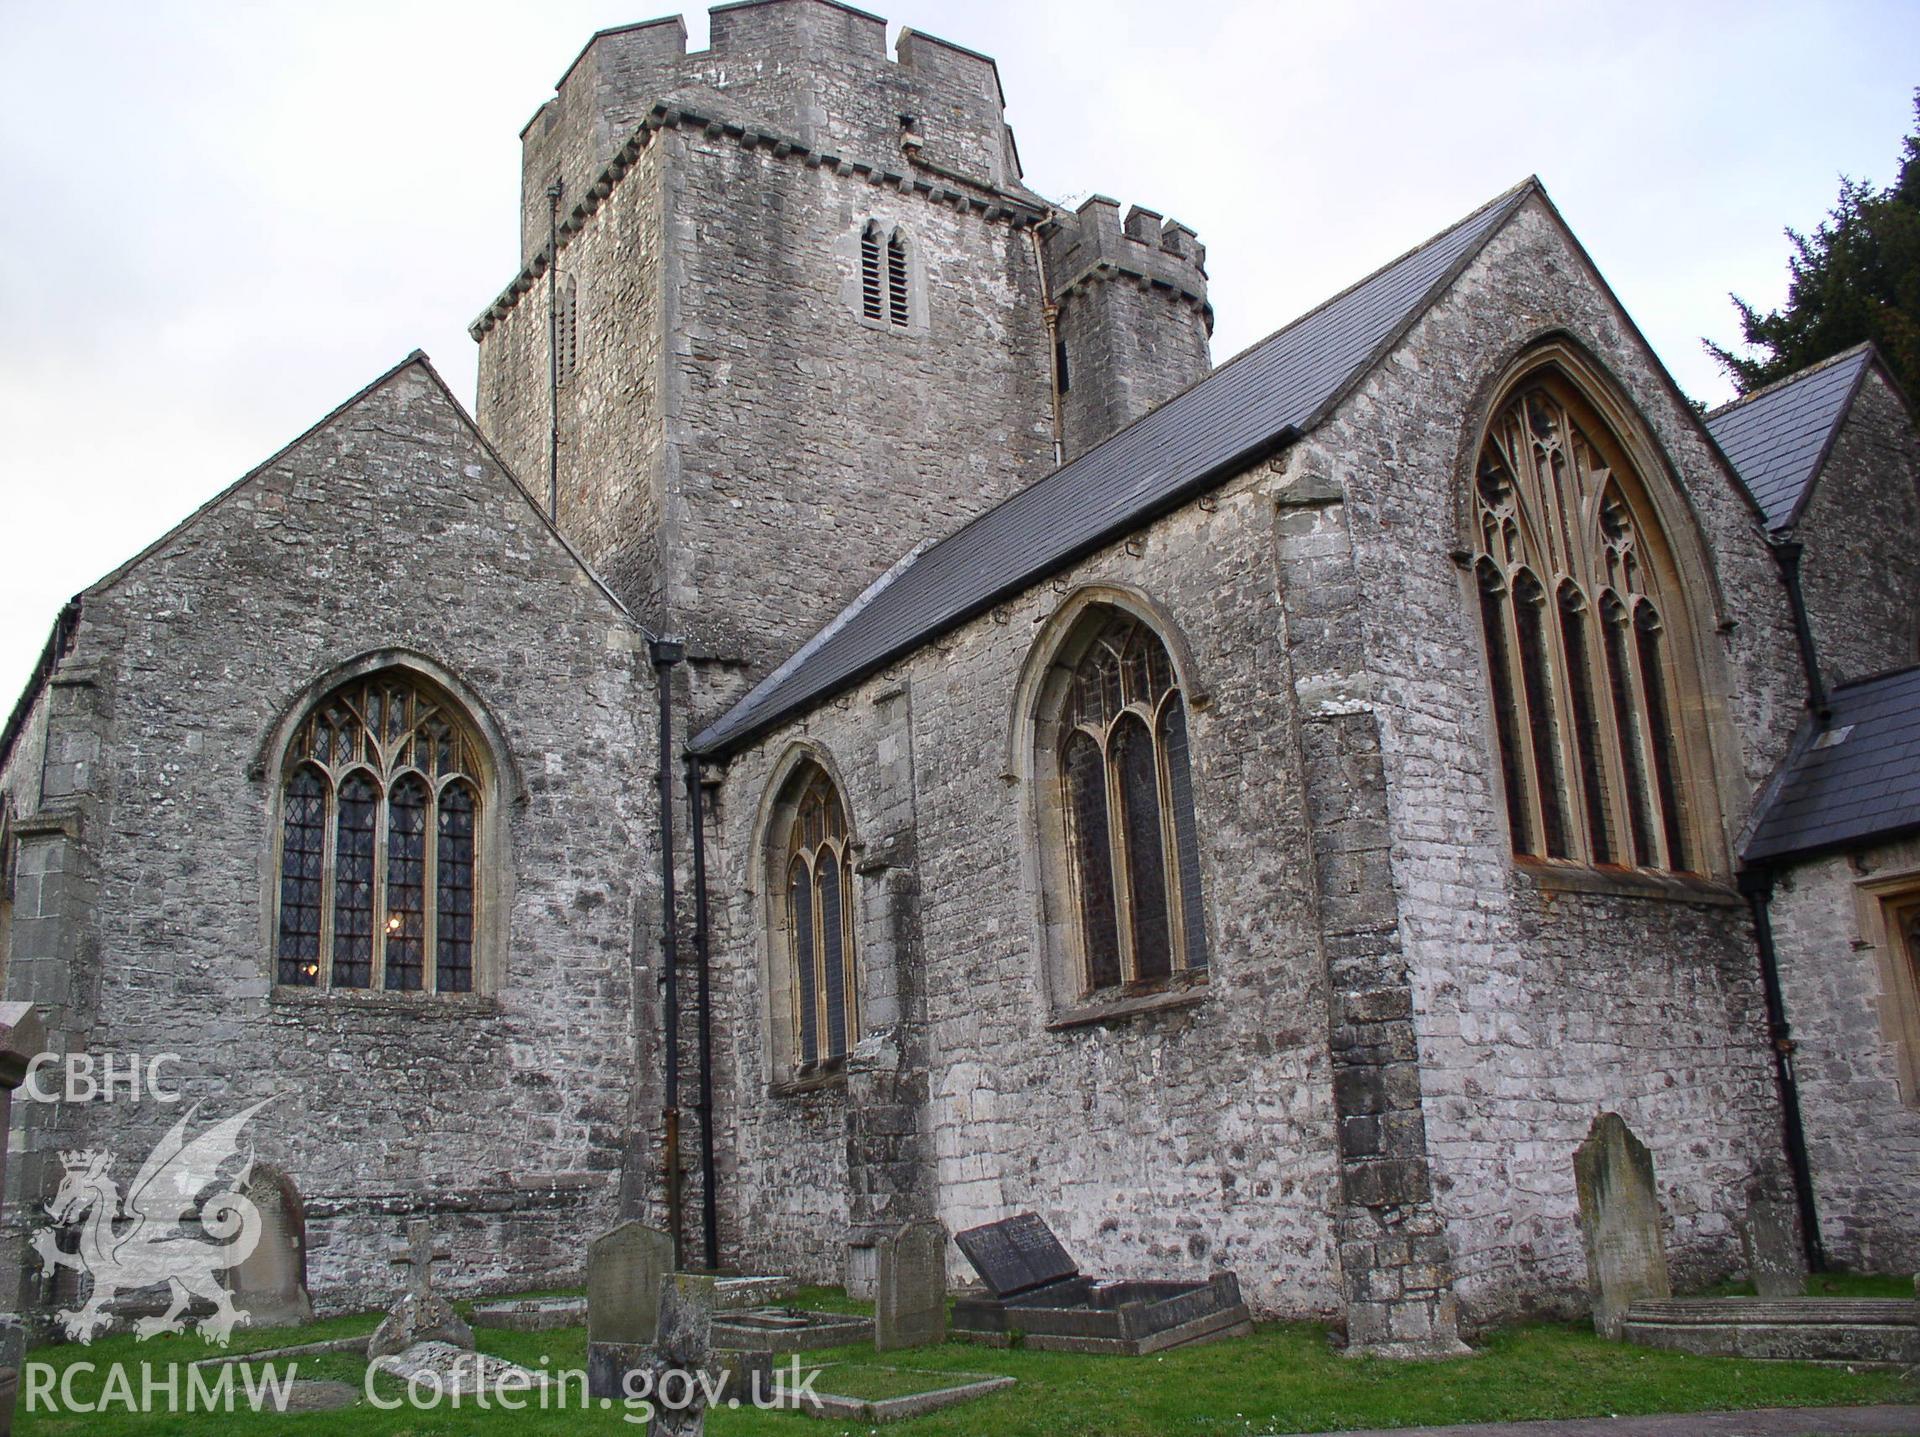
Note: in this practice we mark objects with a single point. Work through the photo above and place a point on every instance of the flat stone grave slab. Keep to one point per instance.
(876, 1394)
(733, 1293)
(458, 1371)
(1860, 1331)
(789, 1329)
(532, 1314)
(1062, 1311)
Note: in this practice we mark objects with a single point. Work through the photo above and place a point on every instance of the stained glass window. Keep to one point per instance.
(820, 947)
(379, 814)
(1133, 851)
(1594, 768)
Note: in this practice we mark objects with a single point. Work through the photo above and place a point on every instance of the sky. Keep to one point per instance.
(222, 219)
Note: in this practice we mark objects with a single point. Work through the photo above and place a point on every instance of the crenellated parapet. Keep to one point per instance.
(1094, 242)
(1131, 315)
(816, 70)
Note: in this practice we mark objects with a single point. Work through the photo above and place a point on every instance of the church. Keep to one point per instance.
(862, 721)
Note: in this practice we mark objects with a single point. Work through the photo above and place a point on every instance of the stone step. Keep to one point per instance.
(1803, 1329)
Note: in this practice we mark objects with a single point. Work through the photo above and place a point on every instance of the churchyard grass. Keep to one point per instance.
(1283, 1378)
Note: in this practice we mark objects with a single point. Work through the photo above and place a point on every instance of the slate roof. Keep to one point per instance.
(1779, 437)
(1238, 414)
(1857, 780)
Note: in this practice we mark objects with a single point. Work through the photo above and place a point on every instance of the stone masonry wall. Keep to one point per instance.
(811, 69)
(1165, 1144)
(1538, 1008)
(1861, 569)
(612, 406)
(505, 1117)
(1862, 1115)
(813, 448)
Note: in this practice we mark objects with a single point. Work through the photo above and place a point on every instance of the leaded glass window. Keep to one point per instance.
(379, 838)
(1133, 851)
(1583, 668)
(819, 921)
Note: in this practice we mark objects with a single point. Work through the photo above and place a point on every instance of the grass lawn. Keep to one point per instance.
(1283, 1378)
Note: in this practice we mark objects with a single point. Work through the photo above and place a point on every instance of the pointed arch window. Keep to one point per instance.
(379, 841)
(885, 276)
(1126, 791)
(1577, 605)
(817, 895)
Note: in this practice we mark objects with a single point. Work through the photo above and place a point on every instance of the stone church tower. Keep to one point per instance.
(805, 316)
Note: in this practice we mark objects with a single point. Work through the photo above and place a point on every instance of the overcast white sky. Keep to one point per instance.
(221, 219)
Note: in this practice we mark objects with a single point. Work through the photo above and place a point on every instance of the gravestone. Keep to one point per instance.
(1016, 1255)
(625, 1267)
(1776, 1262)
(910, 1309)
(1619, 1222)
(682, 1344)
(270, 1286)
(419, 1314)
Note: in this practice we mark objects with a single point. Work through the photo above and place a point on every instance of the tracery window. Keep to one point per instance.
(884, 276)
(1133, 854)
(1579, 616)
(817, 889)
(379, 856)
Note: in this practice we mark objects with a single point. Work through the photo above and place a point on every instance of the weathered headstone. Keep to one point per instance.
(625, 1267)
(1016, 1254)
(682, 1344)
(420, 1314)
(1776, 1262)
(1619, 1222)
(911, 1302)
(270, 1286)
(21, 1039)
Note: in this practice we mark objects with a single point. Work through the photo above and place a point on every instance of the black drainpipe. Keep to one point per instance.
(554, 191)
(1786, 553)
(665, 654)
(1757, 884)
(709, 1199)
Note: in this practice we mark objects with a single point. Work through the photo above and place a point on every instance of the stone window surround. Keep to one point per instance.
(1879, 901)
(1696, 609)
(502, 786)
(777, 989)
(885, 227)
(1031, 766)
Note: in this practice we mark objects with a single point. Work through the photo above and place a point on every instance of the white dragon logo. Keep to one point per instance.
(148, 1243)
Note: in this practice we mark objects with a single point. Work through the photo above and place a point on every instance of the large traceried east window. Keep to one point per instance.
(817, 893)
(1583, 629)
(1126, 786)
(379, 859)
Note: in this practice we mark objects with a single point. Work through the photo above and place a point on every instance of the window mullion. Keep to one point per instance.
(1528, 769)
(1579, 838)
(1612, 741)
(430, 893)
(377, 974)
(1656, 807)
(1117, 853)
(328, 841)
(1169, 852)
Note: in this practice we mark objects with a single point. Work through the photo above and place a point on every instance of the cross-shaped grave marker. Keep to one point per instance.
(417, 1254)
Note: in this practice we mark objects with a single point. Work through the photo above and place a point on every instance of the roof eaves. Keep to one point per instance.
(715, 743)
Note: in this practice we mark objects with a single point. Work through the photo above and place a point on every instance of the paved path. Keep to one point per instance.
(1766, 1422)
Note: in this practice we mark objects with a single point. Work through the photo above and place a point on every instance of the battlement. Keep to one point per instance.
(815, 69)
(1145, 246)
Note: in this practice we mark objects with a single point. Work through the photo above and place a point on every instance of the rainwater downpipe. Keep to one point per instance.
(1757, 884)
(1050, 312)
(554, 192)
(666, 653)
(703, 1014)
